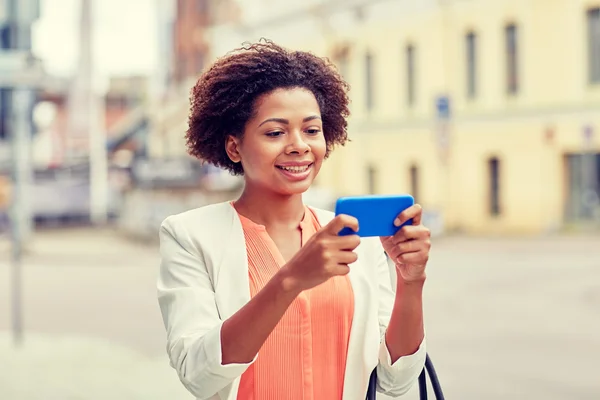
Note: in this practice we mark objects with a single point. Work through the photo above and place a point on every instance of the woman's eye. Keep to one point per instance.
(275, 134)
(314, 131)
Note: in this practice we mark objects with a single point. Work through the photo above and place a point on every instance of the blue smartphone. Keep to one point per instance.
(375, 213)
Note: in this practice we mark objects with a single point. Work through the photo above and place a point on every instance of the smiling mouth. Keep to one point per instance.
(296, 169)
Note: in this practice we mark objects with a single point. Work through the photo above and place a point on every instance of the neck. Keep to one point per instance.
(270, 209)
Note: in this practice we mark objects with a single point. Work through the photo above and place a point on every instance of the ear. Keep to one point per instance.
(232, 147)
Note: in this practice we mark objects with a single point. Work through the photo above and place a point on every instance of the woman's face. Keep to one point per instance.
(283, 146)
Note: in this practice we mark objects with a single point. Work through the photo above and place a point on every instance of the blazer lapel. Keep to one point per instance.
(232, 285)
(362, 344)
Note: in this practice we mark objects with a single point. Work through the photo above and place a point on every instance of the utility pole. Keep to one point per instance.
(18, 62)
(86, 118)
(97, 124)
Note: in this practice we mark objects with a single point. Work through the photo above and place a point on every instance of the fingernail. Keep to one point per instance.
(397, 222)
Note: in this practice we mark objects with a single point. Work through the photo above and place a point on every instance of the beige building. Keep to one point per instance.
(519, 149)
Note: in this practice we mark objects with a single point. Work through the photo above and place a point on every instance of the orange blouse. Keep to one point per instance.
(304, 358)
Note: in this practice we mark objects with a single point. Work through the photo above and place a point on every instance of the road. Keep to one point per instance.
(505, 318)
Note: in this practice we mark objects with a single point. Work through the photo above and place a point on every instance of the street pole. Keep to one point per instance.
(21, 101)
(20, 134)
(97, 125)
(98, 164)
(87, 117)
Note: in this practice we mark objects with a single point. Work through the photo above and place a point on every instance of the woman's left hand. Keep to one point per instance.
(409, 247)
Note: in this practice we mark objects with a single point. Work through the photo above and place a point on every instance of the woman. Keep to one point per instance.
(260, 297)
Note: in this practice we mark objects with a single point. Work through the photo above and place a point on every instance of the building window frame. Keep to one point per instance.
(410, 55)
(369, 81)
(471, 42)
(372, 177)
(593, 39)
(414, 175)
(511, 41)
(494, 170)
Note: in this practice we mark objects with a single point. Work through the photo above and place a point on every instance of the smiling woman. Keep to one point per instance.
(261, 298)
(226, 96)
(283, 145)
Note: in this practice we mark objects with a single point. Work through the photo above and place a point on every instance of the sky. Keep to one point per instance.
(125, 36)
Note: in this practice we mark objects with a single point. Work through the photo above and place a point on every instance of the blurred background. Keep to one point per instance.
(486, 111)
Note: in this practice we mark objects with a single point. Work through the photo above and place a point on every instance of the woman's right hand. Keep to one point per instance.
(326, 254)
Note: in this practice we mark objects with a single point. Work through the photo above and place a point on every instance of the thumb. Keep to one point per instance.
(340, 222)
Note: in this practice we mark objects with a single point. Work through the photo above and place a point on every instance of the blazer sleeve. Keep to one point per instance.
(187, 302)
(393, 379)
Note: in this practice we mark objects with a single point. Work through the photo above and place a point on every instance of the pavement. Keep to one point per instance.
(506, 318)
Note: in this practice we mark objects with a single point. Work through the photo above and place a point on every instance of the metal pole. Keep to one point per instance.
(95, 122)
(21, 101)
(15, 226)
(16, 210)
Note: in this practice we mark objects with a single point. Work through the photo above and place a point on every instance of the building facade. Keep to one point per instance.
(186, 48)
(488, 112)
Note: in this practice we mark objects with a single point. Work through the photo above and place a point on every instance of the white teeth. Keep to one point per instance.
(296, 169)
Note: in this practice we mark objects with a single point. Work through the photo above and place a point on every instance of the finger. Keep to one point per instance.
(410, 246)
(413, 212)
(417, 218)
(340, 269)
(394, 253)
(340, 222)
(408, 232)
(346, 257)
(349, 242)
(417, 258)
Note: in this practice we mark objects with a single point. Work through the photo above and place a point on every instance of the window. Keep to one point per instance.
(410, 75)
(512, 60)
(341, 56)
(414, 182)
(593, 17)
(369, 80)
(5, 37)
(4, 113)
(494, 186)
(471, 45)
(372, 179)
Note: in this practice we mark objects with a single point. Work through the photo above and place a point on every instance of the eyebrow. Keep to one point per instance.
(285, 121)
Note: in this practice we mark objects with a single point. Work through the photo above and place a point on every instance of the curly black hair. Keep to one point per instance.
(223, 99)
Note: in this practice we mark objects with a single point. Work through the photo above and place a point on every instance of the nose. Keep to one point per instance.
(297, 144)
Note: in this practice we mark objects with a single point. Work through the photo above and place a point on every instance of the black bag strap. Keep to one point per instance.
(435, 382)
(427, 370)
(372, 388)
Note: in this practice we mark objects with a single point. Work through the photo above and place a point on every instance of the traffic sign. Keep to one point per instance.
(442, 105)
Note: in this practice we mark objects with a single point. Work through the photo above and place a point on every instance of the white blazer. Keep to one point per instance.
(203, 280)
